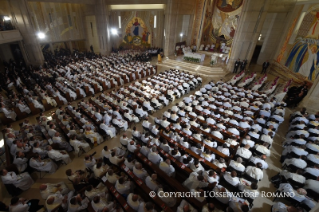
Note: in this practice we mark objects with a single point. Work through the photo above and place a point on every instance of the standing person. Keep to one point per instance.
(265, 66)
(243, 65)
(237, 64)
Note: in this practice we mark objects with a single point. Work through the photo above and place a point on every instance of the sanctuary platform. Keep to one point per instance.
(203, 68)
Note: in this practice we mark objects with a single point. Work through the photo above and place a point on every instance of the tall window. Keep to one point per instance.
(120, 26)
(154, 21)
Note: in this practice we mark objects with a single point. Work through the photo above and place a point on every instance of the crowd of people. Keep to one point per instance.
(44, 146)
(239, 65)
(296, 94)
(215, 140)
(300, 161)
(199, 134)
(210, 124)
(56, 84)
(140, 55)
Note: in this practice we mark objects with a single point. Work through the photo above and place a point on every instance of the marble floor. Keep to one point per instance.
(260, 204)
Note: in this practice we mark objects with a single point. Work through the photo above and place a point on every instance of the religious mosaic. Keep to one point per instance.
(303, 56)
(136, 33)
(221, 20)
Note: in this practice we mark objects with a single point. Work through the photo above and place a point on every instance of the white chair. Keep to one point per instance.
(207, 47)
(212, 47)
(201, 47)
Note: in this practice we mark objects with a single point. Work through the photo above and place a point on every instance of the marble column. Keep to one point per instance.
(170, 22)
(199, 22)
(174, 17)
(250, 24)
(305, 8)
(71, 46)
(22, 21)
(51, 48)
(102, 25)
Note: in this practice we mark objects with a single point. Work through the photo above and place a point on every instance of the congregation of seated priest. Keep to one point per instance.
(136, 131)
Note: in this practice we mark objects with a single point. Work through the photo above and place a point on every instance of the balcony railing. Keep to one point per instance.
(9, 36)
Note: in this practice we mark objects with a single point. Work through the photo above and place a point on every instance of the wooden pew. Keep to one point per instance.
(33, 109)
(87, 91)
(172, 182)
(77, 120)
(156, 200)
(117, 196)
(213, 150)
(184, 170)
(95, 120)
(241, 130)
(191, 153)
(46, 105)
(224, 132)
(4, 119)
(61, 125)
(20, 115)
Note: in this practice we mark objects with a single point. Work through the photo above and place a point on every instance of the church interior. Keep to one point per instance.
(159, 105)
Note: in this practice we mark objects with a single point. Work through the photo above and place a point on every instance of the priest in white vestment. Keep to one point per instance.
(45, 165)
(22, 181)
(47, 189)
(109, 129)
(93, 136)
(58, 155)
(77, 144)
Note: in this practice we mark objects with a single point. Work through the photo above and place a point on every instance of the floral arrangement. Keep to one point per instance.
(191, 59)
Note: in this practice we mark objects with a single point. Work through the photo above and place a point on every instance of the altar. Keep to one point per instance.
(201, 57)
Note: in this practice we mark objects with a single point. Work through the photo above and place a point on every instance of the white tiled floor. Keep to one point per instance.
(260, 204)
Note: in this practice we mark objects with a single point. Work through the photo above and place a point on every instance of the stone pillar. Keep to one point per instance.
(70, 46)
(250, 24)
(170, 22)
(296, 29)
(175, 9)
(102, 25)
(51, 48)
(23, 52)
(30, 44)
(200, 22)
(312, 99)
